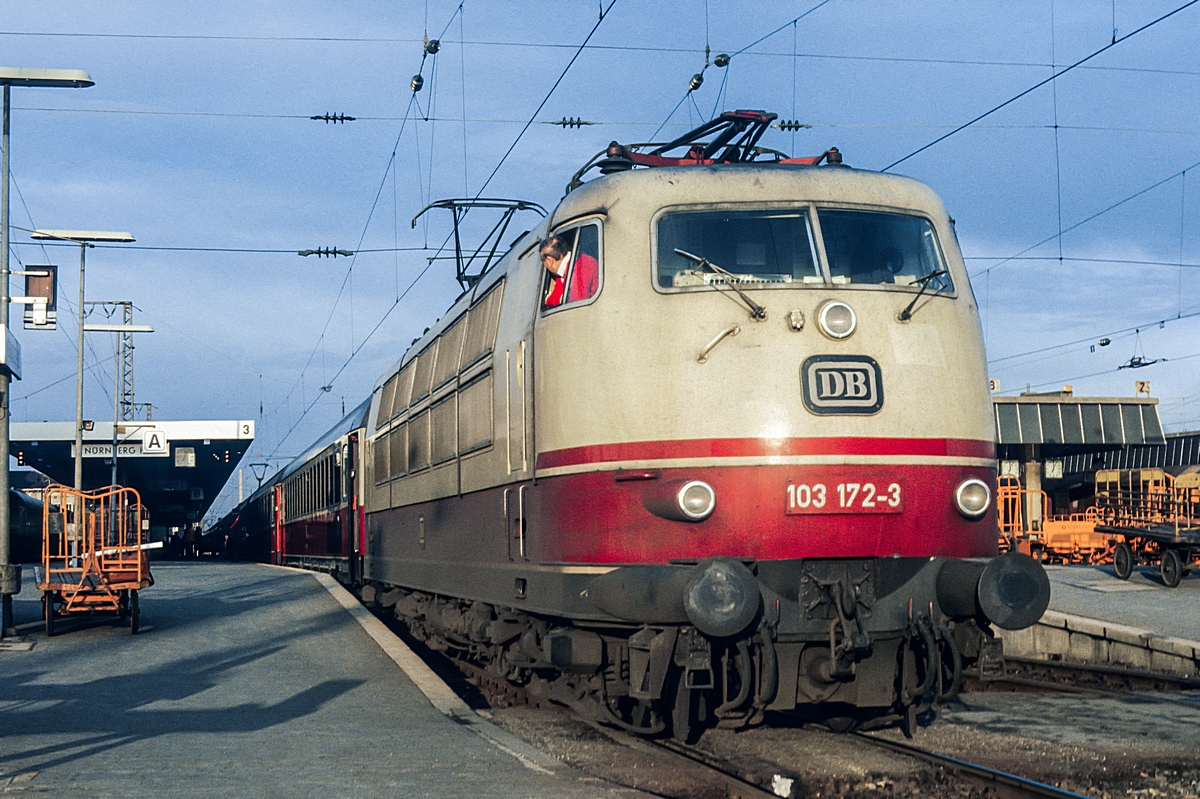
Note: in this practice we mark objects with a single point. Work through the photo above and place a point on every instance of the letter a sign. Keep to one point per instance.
(154, 442)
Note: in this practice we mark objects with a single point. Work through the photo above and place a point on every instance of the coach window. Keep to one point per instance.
(572, 262)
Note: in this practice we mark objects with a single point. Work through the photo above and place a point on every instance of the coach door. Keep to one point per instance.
(350, 502)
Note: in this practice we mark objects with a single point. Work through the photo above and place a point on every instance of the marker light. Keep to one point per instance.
(973, 498)
(681, 500)
(696, 500)
(837, 319)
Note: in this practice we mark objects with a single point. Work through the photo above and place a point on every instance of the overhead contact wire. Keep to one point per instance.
(1041, 83)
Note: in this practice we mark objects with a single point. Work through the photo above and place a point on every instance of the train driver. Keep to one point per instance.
(568, 284)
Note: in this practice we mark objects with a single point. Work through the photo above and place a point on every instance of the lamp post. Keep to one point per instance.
(85, 239)
(10, 576)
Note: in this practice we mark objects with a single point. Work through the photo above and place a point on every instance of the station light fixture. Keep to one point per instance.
(10, 575)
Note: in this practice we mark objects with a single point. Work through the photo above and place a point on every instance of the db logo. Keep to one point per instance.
(842, 384)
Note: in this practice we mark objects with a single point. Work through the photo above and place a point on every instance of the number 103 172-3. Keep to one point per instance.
(867, 496)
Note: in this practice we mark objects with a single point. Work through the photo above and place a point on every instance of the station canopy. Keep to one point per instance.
(177, 467)
(1062, 424)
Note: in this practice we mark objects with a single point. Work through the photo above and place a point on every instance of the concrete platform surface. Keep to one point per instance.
(245, 681)
(1141, 601)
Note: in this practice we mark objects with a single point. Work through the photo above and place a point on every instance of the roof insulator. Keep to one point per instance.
(697, 81)
(417, 83)
(722, 60)
(616, 160)
(833, 156)
(432, 46)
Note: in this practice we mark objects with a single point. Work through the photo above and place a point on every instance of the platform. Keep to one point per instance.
(1141, 601)
(246, 680)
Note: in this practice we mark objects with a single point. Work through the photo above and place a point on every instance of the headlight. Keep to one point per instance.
(722, 597)
(973, 498)
(681, 500)
(696, 500)
(837, 319)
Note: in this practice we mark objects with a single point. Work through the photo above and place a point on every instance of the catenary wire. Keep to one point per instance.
(478, 194)
(1041, 83)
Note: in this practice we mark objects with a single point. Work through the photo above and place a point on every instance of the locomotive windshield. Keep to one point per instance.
(762, 246)
(881, 248)
(772, 246)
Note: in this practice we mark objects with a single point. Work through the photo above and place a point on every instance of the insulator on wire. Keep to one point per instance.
(432, 46)
(335, 118)
(326, 252)
(570, 122)
(697, 82)
(791, 124)
(722, 60)
(417, 83)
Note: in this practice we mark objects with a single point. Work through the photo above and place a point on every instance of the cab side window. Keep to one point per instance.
(572, 262)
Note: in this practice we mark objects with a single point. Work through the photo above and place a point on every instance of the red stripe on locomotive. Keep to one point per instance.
(591, 518)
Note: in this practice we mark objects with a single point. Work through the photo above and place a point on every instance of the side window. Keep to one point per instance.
(572, 261)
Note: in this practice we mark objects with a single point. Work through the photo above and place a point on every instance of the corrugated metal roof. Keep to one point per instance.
(1080, 421)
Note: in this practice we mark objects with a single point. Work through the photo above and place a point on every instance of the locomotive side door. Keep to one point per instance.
(514, 411)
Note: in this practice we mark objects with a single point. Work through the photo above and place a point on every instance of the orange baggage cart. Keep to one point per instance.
(94, 558)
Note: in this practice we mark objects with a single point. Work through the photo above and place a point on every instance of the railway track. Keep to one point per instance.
(1023, 674)
(1002, 784)
(754, 778)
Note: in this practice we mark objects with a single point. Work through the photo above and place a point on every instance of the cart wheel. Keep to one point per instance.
(133, 612)
(1123, 561)
(1170, 567)
(48, 612)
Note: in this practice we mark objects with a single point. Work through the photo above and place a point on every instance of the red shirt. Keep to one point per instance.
(585, 278)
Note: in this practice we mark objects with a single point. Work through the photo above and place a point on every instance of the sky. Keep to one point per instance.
(1077, 204)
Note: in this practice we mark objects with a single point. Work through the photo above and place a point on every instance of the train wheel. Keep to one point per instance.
(841, 724)
(133, 613)
(1170, 567)
(1123, 561)
(48, 612)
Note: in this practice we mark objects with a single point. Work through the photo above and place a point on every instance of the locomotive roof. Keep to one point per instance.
(744, 183)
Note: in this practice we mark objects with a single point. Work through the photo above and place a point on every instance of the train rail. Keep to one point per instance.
(1024, 674)
(1004, 785)
(754, 778)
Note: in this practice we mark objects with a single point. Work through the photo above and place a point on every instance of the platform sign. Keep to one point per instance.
(41, 281)
(127, 449)
(154, 442)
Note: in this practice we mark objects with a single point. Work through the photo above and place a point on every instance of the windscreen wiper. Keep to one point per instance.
(907, 313)
(757, 312)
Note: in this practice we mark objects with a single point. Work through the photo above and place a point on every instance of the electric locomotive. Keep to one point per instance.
(713, 439)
